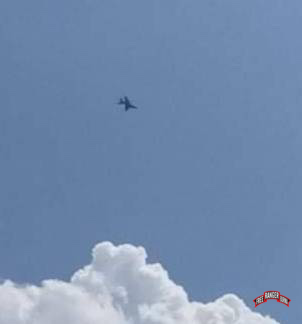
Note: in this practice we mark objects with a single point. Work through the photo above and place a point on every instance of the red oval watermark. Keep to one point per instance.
(271, 294)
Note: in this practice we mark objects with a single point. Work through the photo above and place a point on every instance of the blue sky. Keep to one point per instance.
(206, 175)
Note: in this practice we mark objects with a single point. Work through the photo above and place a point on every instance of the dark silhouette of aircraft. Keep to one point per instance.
(125, 101)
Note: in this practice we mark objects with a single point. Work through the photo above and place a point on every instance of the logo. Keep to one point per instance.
(271, 295)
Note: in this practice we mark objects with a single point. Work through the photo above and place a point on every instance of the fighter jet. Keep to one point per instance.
(125, 101)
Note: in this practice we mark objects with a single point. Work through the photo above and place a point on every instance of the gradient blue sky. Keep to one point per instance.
(206, 175)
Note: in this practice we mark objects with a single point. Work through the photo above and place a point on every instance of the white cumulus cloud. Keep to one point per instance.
(118, 287)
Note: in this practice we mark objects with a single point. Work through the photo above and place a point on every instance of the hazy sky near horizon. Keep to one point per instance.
(206, 175)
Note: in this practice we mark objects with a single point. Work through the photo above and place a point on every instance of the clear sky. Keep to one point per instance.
(206, 175)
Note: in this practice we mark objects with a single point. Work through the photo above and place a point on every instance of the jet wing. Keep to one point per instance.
(127, 101)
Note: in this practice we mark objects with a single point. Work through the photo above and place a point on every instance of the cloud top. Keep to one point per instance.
(118, 287)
